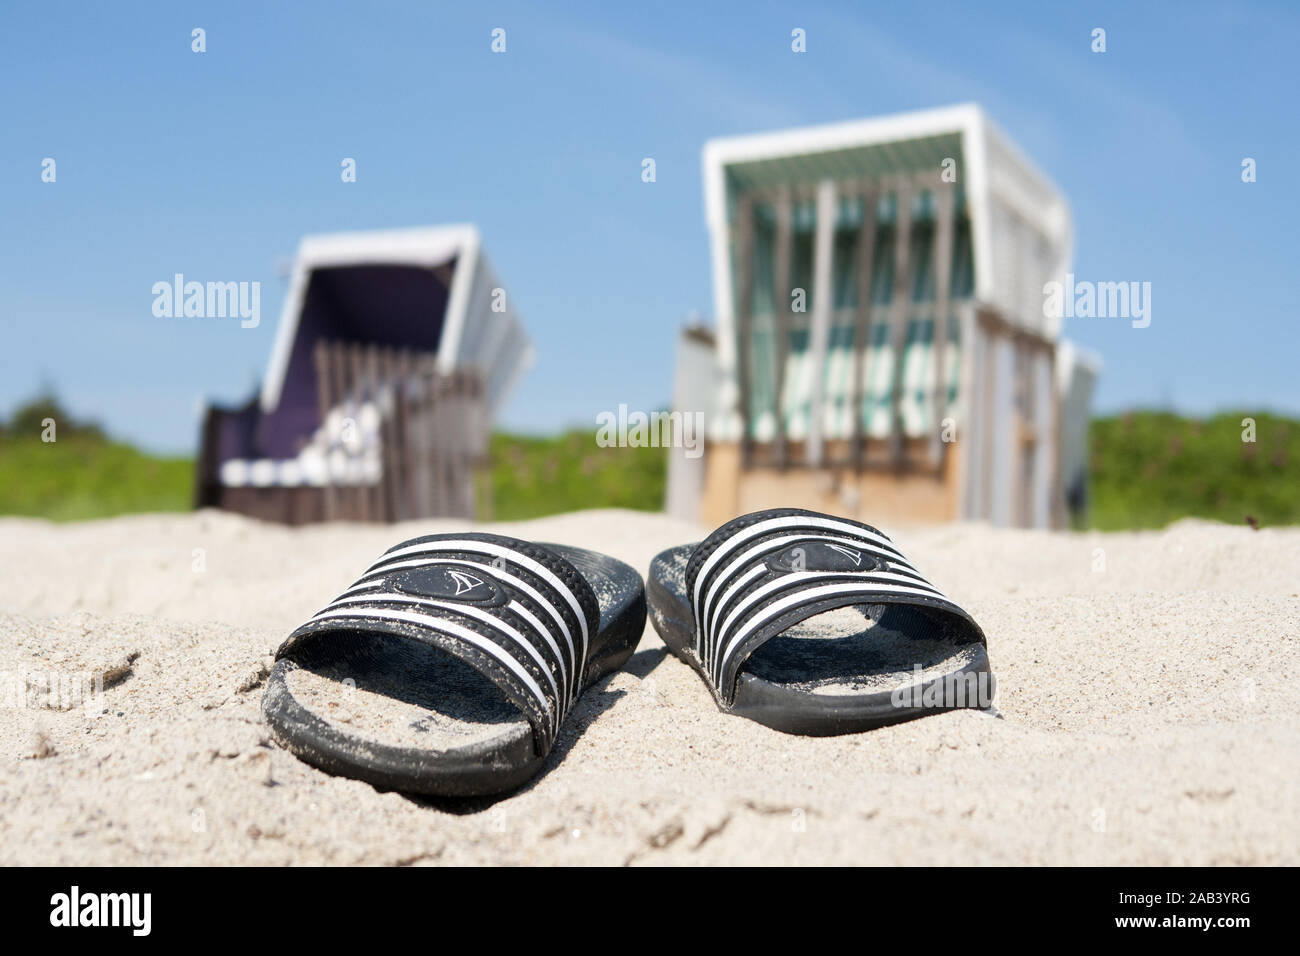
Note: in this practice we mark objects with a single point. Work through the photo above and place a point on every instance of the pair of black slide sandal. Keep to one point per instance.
(449, 667)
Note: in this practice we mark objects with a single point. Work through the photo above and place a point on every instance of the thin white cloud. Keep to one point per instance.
(710, 92)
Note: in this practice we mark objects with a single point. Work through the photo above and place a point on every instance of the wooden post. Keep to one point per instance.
(862, 319)
(339, 362)
(744, 243)
(465, 451)
(325, 400)
(388, 434)
(942, 264)
(342, 388)
(439, 429)
(423, 426)
(436, 437)
(781, 313)
(1058, 515)
(446, 441)
(405, 471)
(991, 419)
(902, 300)
(458, 450)
(458, 445)
(1026, 367)
(375, 489)
(823, 307)
(480, 470)
(355, 385)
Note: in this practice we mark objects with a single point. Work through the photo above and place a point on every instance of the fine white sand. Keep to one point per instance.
(1146, 713)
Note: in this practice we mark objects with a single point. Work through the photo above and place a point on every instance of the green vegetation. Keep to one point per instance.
(1148, 469)
(82, 474)
(1151, 468)
(539, 476)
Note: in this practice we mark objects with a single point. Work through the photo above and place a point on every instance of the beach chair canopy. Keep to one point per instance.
(421, 290)
(842, 254)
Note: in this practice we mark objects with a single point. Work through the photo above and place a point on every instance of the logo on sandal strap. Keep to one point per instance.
(464, 582)
(854, 556)
(450, 582)
(823, 556)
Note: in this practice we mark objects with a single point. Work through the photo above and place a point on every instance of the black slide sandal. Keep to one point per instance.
(815, 625)
(449, 666)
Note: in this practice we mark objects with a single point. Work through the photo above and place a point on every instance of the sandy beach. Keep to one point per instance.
(1146, 713)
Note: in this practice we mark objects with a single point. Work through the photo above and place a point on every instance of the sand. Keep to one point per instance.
(1146, 713)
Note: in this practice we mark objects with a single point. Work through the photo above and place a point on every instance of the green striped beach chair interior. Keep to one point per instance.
(874, 360)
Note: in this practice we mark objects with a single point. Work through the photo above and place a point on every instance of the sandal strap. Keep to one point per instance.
(517, 612)
(762, 573)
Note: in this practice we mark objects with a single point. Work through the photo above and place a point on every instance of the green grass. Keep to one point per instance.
(1148, 469)
(529, 477)
(84, 475)
(1151, 468)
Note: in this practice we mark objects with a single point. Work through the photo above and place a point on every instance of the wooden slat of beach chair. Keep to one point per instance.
(899, 308)
(335, 374)
(444, 441)
(945, 214)
(436, 437)
(1027, 355)
(991, 419)
(388, 389)
(338, 362)
(325, 401)
(356, 490)
(405, 472)
(452, 454)
(862, 321)
(469, 443)
(373, 490)
(744, 318)
(399, 437)
(917, 369)
(827, 206)
(411, 453)
(337, 395)
(481, 474)
(377, 509)
(464, 471)
(423, 415)
(383, 509)
(782, 254)
(356, 385)
(381, 480)
(433, 443)
(415, 436)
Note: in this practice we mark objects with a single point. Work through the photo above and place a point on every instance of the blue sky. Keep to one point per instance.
(214, 165)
